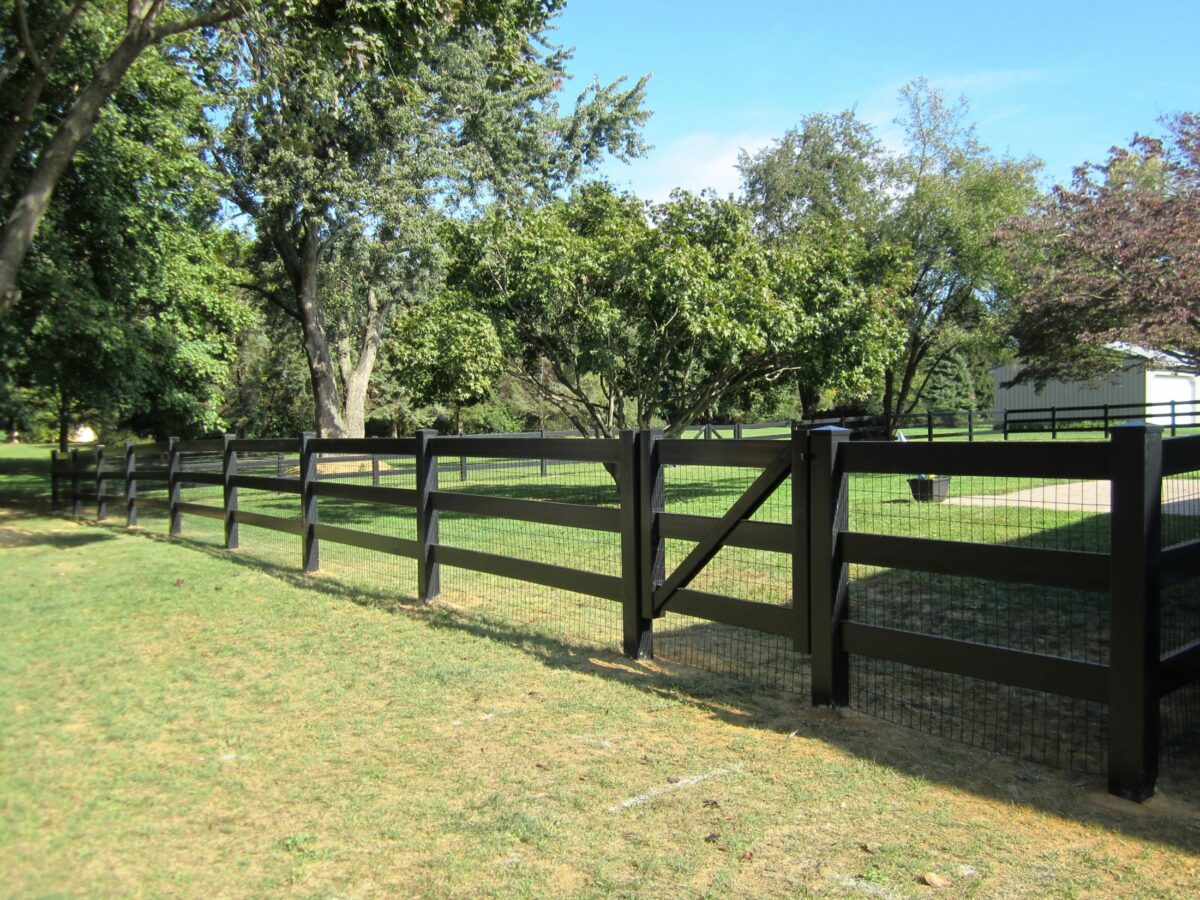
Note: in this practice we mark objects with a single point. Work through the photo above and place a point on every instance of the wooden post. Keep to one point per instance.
(428, 574)
(55, 500)
(1054, 423)
(637, 630)
(829, 577)
(652, 560)
(175, 518)
(131, 512)
(1172, 418)
(929, 424)
(229, 491)
(801, 569)
(970, 425)
(542, 461)
(375, 470)
(1107, 430)
(311, 548)
(75, 501)
(101, 505)
(737, 431)
(1006, 424)
(1134, 644)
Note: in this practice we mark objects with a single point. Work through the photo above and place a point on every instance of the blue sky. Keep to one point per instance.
(1060, 80)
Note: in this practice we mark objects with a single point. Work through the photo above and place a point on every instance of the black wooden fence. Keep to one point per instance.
(821, 619)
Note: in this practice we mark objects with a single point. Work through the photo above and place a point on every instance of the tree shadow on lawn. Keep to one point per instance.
(1170, 818)
(13, 537)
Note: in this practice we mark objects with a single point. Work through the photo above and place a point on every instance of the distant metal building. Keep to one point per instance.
(1146, 377)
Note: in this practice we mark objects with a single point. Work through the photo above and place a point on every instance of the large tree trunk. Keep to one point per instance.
(330, 422)
(30, 208)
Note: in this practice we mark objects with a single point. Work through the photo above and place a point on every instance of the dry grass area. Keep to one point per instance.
(179, 721)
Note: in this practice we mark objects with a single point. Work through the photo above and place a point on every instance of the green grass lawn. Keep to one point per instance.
(175, 719)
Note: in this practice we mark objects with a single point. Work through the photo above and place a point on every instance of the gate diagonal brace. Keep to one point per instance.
(746, 506)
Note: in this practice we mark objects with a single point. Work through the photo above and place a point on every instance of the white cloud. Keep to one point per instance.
(695, 162)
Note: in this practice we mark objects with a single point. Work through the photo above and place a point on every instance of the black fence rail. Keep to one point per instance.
(1104, 640)
(1171, 414)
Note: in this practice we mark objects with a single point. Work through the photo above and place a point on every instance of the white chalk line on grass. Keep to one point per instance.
(655, 793)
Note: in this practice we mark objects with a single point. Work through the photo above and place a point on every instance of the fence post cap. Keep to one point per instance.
(831, 429)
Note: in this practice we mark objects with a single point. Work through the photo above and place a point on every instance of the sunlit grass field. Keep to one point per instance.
(178, 719)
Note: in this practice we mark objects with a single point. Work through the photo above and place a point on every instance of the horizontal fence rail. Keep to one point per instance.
(813, 469)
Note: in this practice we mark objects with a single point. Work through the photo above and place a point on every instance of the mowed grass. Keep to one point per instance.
(176, 721)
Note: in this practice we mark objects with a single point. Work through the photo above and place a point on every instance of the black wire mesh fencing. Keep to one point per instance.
(1030, 599)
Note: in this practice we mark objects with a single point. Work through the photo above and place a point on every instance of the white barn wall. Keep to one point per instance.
(1163, 387)
(1126, 386)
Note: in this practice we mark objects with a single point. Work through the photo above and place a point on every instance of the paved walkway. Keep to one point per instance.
(1181, 497)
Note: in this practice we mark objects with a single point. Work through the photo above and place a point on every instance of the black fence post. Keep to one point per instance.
(375, 470)
(308, 503)
(101, 505)
(428, 574)
(1054, 423)
(737, 431)
(970, 425)
(542, 461)
(829, 581)
(173, 489)
(75, 501)
(929, 424)
(55, 501)
(131, 513)
(1134, 645)
(637, 630)
(801, 568)
(1107, 430)
(1172, 418)
(1006, 424)
(229, 491)
(652, 561)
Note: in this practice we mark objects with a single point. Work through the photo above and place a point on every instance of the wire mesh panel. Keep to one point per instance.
(156, 490)
(1180, 620)
(566, 616)
(763, 576)
(1060, 622)
(276, 547)
(370, 570)
(199, 527)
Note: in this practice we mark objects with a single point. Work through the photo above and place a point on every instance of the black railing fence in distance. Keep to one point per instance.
(1046, 609)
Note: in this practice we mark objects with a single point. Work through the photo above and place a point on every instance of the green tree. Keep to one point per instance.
(346, 161)
(36, 53)
(621, 315)
(924, 221)
(126, 316)
(446, 354)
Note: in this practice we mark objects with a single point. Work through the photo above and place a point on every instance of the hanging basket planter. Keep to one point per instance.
(930, 489)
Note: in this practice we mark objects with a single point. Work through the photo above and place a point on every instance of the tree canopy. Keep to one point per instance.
(1113, 258)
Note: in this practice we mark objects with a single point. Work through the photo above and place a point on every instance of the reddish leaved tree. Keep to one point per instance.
(1113, 258)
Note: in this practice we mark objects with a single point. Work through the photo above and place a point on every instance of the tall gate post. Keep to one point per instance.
(652, 563)
(131, 515)
(637, 635)
(55, 502)
(429, 582)
(801, 569)
(101, 505)
(229, 491)
(829, 577)
(75, 500)
(308, 503)
(174, 517)
(1134, 645)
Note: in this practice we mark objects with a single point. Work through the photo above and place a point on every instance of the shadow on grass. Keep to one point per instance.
(1172, 818)
(10, 537)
